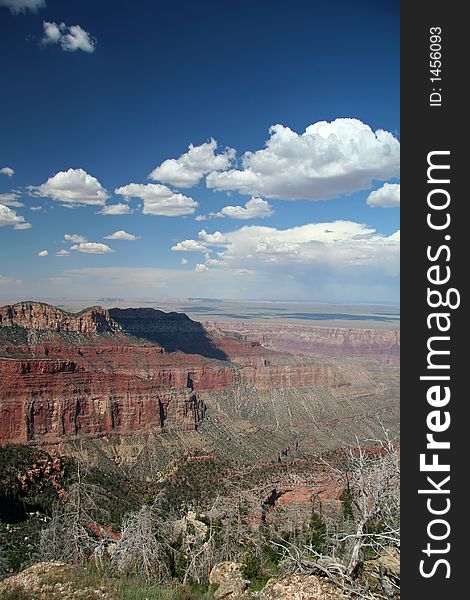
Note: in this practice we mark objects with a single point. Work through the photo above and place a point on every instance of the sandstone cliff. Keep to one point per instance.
(43, 317)
(382, 345)
(126, 370)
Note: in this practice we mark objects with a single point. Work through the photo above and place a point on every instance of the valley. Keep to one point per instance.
(209, 423)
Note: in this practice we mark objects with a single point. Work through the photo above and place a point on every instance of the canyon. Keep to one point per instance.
(116, 373)
(237, 424)
(381, 345)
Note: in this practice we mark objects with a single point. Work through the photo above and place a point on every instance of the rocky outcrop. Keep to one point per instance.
(228, 578)
(50, 581)
(43, 317)
(231, 585)
(300, 587)
(382, 575)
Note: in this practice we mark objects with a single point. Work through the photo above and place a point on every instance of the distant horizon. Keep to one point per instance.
(168, 299)
(244, 312)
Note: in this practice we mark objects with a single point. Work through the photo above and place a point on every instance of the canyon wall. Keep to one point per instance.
(43, 317)
(125, 370)
(378, 344)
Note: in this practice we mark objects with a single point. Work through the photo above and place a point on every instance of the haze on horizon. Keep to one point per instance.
(142, 159)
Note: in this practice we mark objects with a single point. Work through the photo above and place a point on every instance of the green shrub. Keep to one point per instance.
(317, 528)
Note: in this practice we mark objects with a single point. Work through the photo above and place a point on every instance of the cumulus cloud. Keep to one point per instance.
(255, 208)
(43, 253)
(200, 268)
(115, 209)
(18, 6)
(340, 249)
(70, 38)
(11, 199)
(8, 171)
(75, 238)
(52, 33)
(388, 196)
(158, 199)
(327, 160)
(189, 168)
(92, 248)
(62, 253)
(214, 239)
(121, 235)
(189, 246)
(184, 261)
(22, 226)
(74, 187)
(9, 217)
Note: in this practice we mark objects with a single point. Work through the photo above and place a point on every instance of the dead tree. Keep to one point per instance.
(71, 533)
(143, 546)
(372, 480)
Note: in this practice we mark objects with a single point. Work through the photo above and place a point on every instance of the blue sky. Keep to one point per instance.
(98, 95)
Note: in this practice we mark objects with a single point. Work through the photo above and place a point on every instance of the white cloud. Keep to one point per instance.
(253, 209)
(74, 187)
(43, 253)
(338, 254)
(214, 239)
(92, 248)
(121, 235)
(36, 208)
(115, 209)
(200, 268)
(8, 171)
(158, 199)
(184, 261)
(11, 199)
(75, 238)
(189, 168)
(62, 253)
(256, 208)
(388, 196)
(52, 33)
(18, 6)
(22, 226)
(70, 38)
(327, 160)
(9, 217)
(189, 246)
(340, 249)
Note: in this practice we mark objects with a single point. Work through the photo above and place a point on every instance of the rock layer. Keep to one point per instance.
(382, 345)
(125, 370)
(43, 317)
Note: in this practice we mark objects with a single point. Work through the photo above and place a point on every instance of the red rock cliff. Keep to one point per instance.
(43, 317)
(122, 371)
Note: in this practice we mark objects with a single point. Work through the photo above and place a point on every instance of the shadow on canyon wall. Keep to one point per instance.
(173, 331)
